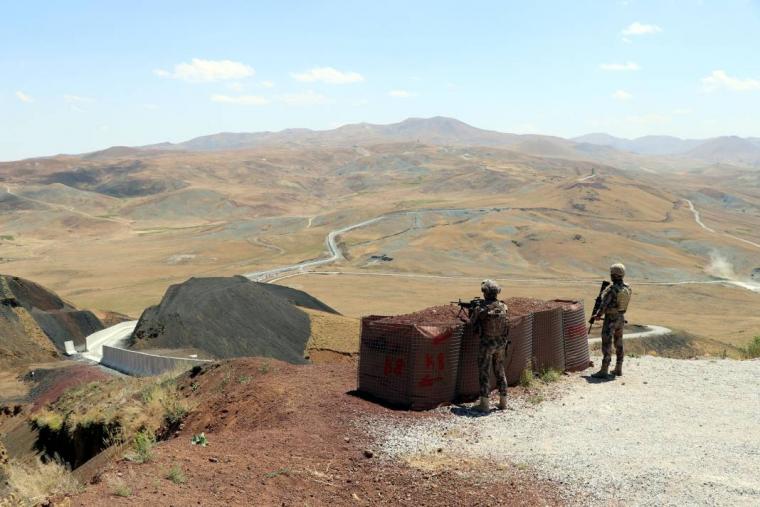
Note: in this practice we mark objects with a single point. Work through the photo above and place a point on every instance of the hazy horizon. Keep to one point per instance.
(82, 77)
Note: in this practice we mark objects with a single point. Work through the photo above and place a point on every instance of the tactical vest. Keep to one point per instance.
(622, 298)
(494, 321)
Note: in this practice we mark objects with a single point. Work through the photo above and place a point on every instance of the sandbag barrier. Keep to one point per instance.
(409, 365)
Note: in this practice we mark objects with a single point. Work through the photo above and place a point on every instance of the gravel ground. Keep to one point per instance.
(670, 432)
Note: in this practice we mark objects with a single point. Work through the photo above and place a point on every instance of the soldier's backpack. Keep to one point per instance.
(495, 321)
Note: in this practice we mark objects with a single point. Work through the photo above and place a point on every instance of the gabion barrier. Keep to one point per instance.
(520, 350)
(575, 335)
(409, 365)
(548, 346)
(468, 383)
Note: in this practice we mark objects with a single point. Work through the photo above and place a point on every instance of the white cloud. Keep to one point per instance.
(76, 99)
(23, 97)
(267, 84)
(637, 28)
(204, 71)
(622, 95)
(620, 66)
(246, 100)
(720, 80)
(401, 94)
(328, 75)
(235, 86)
(308, 98)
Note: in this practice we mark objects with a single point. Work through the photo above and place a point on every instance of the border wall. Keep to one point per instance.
(144, 365)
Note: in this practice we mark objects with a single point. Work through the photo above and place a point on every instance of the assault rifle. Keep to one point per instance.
(468, 306)
(597, 305)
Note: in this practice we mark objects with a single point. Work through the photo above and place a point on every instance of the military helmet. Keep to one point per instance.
(617, 269)
(489, 287)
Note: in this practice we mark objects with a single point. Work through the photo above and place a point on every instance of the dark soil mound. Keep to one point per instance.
(35, 322)
(226, 317)
(63, 325)
(297, 297)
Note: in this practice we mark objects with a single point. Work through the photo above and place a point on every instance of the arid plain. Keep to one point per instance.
(111, 230)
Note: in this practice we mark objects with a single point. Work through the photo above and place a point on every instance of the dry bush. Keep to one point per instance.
(31, 484)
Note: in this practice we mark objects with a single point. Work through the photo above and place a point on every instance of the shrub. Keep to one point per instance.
(176, 475)
(265, 367)
(121, 489)
(33, 483)
(550, 375)
(174, 411)
(143, 447)
(753, 349)
(199, 439)
(526, 377)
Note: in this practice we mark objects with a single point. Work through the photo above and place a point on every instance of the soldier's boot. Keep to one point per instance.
(502, 402)
(484, 405)
(618, 371)
(604, 372)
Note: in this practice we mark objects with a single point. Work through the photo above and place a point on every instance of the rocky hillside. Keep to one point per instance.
(35, 322)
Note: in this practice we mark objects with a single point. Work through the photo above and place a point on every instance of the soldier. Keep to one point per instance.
(615, 299)
(491, 323)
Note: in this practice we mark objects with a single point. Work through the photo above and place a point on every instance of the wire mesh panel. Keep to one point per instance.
(435, 365)
(521, 349)
(548, 346)
(407, 364)
(577, 356)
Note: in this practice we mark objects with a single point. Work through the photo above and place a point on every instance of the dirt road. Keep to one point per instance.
(670, 432)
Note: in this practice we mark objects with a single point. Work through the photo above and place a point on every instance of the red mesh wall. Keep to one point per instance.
(468, 385)
(521, 349)
(410, 365)
(575, 336)
(548, 343)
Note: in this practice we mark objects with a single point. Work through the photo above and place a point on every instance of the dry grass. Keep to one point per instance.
(31, 484)
(333, 332)
(128, 406)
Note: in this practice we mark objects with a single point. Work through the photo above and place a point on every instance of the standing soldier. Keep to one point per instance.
(615, 299)
(491, 322)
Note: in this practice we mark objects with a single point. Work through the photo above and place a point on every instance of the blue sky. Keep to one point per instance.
(79, 76)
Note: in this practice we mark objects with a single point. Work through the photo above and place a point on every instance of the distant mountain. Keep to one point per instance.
(729, 149)
(658, 153)
(647, 145)
(437, 130)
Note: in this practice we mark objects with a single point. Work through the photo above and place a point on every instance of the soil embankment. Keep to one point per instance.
(230, 317)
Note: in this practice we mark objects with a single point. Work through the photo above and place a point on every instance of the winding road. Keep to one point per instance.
(114, 335)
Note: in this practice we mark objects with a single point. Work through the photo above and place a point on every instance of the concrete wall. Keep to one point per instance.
(142, 364)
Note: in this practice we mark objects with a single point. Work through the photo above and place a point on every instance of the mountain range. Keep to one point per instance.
(600, 147)
(661, 153)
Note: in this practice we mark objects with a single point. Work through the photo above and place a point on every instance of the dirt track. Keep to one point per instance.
(670, 432)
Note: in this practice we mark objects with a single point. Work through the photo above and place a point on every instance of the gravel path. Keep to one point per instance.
(670, 432)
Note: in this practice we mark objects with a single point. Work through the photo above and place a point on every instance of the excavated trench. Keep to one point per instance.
(74, 447)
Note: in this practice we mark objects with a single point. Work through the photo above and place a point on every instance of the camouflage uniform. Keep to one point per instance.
(491, 322)
(615, 300)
